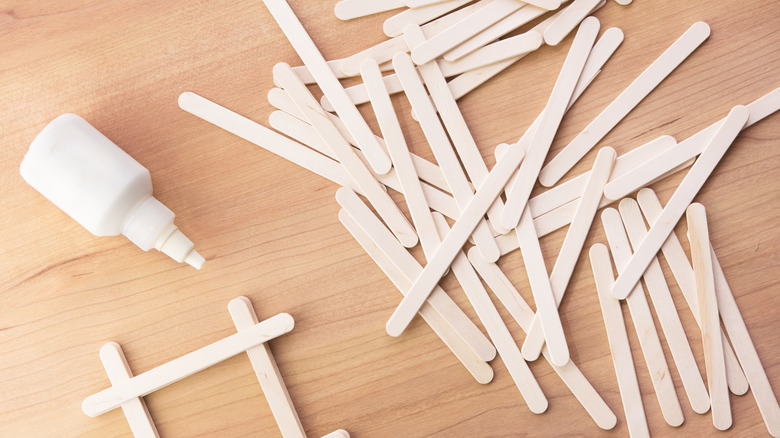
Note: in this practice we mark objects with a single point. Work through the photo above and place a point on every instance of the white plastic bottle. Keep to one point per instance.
(102, 187)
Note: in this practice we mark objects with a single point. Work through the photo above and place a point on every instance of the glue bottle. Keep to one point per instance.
(102, 187)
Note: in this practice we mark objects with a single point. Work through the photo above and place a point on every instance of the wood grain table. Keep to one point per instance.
(269, 230)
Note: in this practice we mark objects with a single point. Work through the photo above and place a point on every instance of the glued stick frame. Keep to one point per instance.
(628, 99)
(135, 410)
(701, 256)
(683, 272)
(187, 365)
(643, 323)
(456, 238)
(521, 312)
(666, 311)
(478, 368)
(549, 120)
(406, 263)
(682, 197)
(456, 126)
(570, 251)
(267, 372)
(620, 349)
(442, 149)
(328, 83)
(497, 330)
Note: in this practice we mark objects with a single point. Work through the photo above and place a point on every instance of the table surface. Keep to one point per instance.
(269, 230)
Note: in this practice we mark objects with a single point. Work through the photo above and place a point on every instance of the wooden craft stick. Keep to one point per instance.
(490, 54)
(305, 76)
(135, 410)
(687, 151)
(186, 365)
(604, 48)
(442, 149)
(735, 326)
(701, 255)
(667, 313)
(499, 334)
(622, 361)
(328, 83)
(572, 245)
(349, 9)
(407, 264)
(623, 2)
(643, 323)
(463, 30)
(624, 103)
(379, 199)
(267, 372)
(428, 171)
(264, 137)
(549, 120)
(683, 272)
(522, 16)
(384, 51)
(571, 17)
(453, 120)
(546, 309)
(420, 3)
(341, 433)
(521, 312)
(571, 189)
(470, 217)
(478, 368)
(396, 24)
(682, 197)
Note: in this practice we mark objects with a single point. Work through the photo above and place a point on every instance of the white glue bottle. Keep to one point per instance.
(102, 187)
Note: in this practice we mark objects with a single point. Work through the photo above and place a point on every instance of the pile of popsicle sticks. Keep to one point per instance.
(436, 39)
(127, 391)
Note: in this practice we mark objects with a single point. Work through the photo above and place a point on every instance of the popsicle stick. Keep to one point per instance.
(571, 189)
(643, 323)
(571, 376)
(420, 3)
(341, 433)
(135, 410)
(264, 137)
(408, 265)
(442, 149)
(396, 24)
(682, 197)
(428, 171)
(623, 2)
(308, 79)
(533, 259)
(604, 48)
(735, 326)
(186, 365)
(499, 51)
(384, 51)
(688, 150)
(499, 334)
(622, 361)
(328, 83)
(572, 244)
(267, 372)
(666, 310)
(701, 255)
(522, 16)
(379, 199)
(478, 368)
(624, 103)
(571, 17)
(683, 272)
(463, 30)
(459, 132)
(470, 217)
(549, 120)
(349, 9)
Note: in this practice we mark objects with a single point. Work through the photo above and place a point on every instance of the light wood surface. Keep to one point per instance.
(270, 230)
